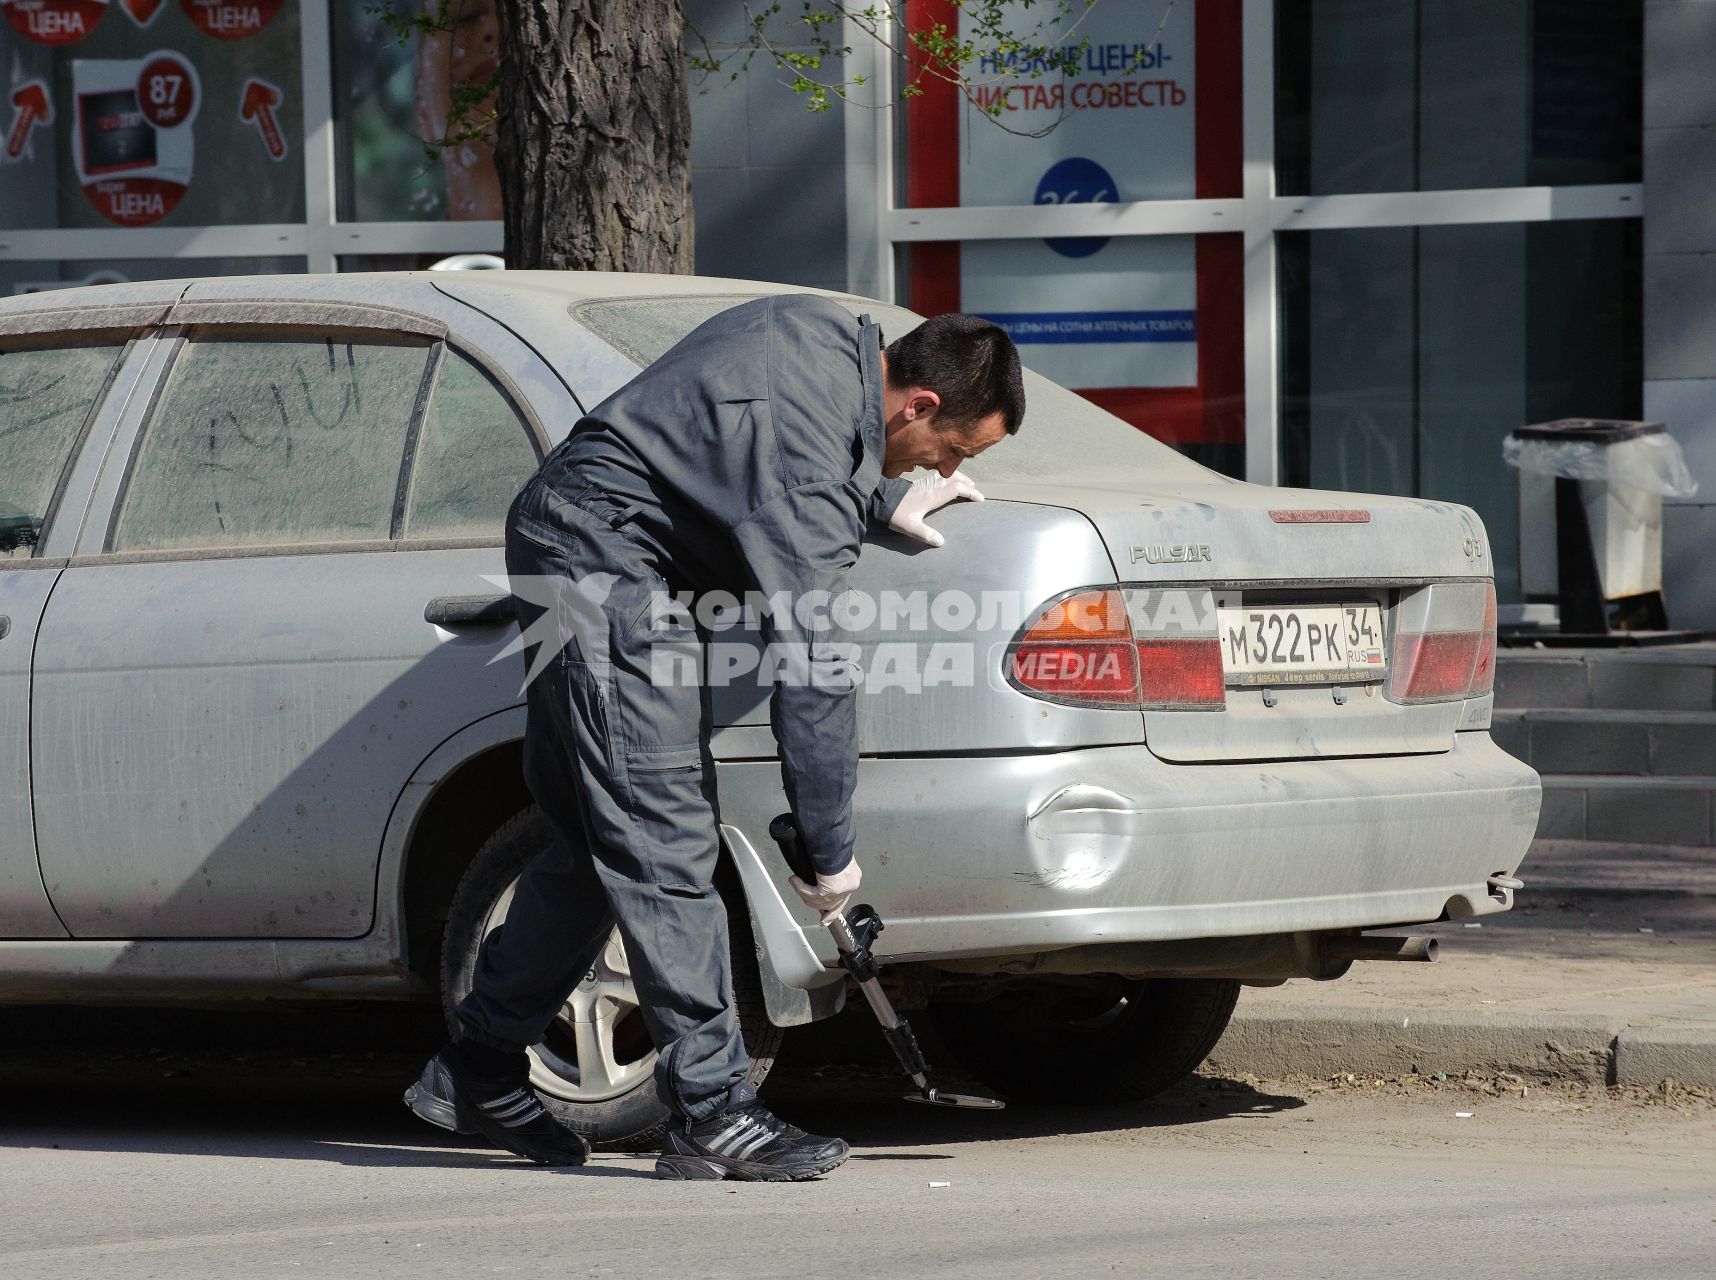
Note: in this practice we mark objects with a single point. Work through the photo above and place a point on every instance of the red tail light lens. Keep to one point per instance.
(1432, 667)
(1080, 650)
(1484, 675)
(1182, 674)
(1444, 643)
(1127, 648)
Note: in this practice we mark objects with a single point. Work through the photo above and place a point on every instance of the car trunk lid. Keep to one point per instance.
(1246, 551)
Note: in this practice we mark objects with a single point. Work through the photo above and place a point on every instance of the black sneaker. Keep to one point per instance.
(748, 1144)
(506, 1112)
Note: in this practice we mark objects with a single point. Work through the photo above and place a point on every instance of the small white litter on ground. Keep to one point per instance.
(941, 1184)
(1462, 1115)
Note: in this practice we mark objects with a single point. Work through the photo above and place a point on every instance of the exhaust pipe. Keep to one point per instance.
(1360, 947)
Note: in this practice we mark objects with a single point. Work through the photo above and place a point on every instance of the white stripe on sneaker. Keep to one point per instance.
(752, 1147)
(730, 1138)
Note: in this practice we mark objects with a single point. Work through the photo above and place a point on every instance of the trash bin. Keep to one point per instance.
(1590, 518)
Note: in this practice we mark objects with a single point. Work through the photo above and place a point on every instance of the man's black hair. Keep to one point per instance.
(969, 362)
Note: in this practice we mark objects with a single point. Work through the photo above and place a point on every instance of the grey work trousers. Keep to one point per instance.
(620, 765)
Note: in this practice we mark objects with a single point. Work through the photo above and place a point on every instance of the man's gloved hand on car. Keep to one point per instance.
(830, 894)
(929, 493)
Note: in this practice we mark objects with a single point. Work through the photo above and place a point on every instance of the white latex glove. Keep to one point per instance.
(926, 495)
(830, 894)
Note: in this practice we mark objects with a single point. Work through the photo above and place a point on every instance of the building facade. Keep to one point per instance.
(1336, 243)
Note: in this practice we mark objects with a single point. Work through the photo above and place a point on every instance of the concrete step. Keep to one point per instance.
(1632, 810)
(1679, 678)
(1645, 743)
(1591, 869)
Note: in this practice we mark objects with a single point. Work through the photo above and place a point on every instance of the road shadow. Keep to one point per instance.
(294, 1083)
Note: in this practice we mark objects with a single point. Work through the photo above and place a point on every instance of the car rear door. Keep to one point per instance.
(64, 377)
(236, 676)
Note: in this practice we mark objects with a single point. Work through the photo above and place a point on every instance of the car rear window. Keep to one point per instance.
(46, 394)
(1064, 436)
(273, 441)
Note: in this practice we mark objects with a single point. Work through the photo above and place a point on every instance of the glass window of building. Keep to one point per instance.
(1440, 95)
(133, 115)
(399, 98)
(1148, 327)
(1409, 353)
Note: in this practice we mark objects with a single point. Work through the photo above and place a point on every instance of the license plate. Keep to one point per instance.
(1307, 644)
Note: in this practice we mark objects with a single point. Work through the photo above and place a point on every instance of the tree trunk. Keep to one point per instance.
(594, 135)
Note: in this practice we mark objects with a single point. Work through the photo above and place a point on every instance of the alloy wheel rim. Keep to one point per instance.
(597, 1047)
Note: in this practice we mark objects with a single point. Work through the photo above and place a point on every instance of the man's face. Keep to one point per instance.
(915, 440)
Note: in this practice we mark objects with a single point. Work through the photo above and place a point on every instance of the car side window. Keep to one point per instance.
(273, 441)
(46, 394)
(474, 453)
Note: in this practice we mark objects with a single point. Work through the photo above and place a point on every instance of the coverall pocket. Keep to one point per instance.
(587, 709)
(673, 814)
(693, 891)
(536, 532)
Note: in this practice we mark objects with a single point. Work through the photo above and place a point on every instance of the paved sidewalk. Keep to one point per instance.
(1605, 971)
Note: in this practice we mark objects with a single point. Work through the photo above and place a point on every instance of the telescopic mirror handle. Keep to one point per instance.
(784, 832)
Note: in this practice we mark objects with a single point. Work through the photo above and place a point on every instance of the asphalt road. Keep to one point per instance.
(201, 1150)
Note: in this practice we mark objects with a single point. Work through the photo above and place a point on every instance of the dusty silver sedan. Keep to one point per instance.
(1136, 735)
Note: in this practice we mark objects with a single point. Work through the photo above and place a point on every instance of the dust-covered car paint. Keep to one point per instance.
(261, 770)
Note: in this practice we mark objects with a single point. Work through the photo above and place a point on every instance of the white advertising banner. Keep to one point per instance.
(1089, 311)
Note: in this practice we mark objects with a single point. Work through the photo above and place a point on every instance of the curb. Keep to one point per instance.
(1649, 1055)
(1307, 1039)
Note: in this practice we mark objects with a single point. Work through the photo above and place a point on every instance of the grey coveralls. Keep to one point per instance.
(747, 458)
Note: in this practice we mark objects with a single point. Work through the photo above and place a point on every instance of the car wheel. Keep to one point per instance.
(595, 1066)
(1113, 1041)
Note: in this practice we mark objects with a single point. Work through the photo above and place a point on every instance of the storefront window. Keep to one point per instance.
(145, 112)
(1436, 95)
(18, 276)
(1408, 354)
(396, 96)
(1149, 327)
(1153, 113)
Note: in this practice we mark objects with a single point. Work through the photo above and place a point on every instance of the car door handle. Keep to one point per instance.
(5, 626)
(469, 611)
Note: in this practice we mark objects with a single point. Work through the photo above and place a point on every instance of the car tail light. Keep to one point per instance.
(1444, 643)
(1143, 649)
(1080, 650)
(1179, 655)
(1484, 677)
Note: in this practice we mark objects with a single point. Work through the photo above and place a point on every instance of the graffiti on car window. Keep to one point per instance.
(350, 389)
(275, 441)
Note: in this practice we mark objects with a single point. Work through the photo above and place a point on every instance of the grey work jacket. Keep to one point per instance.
(749, 458)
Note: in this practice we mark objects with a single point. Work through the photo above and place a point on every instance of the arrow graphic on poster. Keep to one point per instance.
(257, 106)
(142, 12)
(31, 103)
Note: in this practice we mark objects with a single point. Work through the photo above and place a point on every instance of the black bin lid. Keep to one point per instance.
(1592, 430)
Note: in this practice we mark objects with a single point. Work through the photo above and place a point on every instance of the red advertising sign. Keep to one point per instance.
(231, 19)
(133, 143)
(30, 107)
(142, 12)
(54, 22)
(166, 91)
(256, 106)
(135, 202)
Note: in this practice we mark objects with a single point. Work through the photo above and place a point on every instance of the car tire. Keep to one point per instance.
(623, 1112)
(1120, 1041)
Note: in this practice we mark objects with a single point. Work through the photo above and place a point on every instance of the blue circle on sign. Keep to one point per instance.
(1076, 180)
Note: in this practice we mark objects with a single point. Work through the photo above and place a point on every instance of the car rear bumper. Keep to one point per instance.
(1015, 854)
